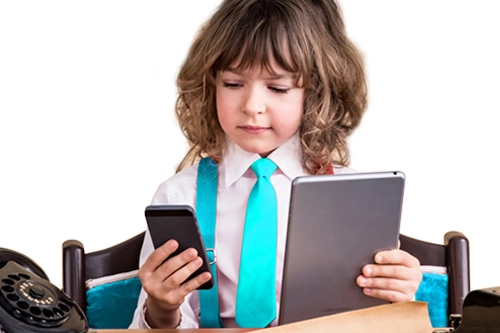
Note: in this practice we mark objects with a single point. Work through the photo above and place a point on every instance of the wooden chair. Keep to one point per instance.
(448, 263)
(111, 272)
(446, 275)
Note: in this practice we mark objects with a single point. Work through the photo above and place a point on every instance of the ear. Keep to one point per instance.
(7, 255)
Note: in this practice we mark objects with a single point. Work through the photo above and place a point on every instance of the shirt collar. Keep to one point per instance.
(287, 157)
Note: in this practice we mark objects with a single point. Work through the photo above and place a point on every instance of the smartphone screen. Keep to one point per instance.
(178, 222)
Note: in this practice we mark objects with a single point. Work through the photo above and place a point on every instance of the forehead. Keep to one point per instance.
(262, 48)
(265, 68)
(262, 64)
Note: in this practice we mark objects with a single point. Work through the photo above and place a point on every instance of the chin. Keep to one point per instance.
(261, 152)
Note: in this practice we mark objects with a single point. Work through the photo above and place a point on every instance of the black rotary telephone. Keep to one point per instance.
(30, 303)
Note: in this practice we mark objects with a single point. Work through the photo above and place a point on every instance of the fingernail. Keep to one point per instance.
(379, 259)
(368, 270)
(367, 290)
(362, 281)
(171, 244)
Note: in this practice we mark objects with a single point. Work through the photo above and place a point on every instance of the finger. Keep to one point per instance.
(387, 283)
(168, 290)
(392, 290)
(391, 271)
(180, 276)
(180, 285)
(175, 263)
(157, 257)
(192, 284)
(149, 275)
(396, 257)
(387, 295)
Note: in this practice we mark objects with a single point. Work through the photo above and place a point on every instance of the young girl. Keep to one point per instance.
(264, 78)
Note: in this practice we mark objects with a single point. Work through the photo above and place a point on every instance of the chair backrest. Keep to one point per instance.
(89, 277)
(446, 275)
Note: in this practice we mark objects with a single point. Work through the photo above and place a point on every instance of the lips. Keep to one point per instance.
(252, 129)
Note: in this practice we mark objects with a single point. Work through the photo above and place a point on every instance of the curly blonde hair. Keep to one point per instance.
(306, 37)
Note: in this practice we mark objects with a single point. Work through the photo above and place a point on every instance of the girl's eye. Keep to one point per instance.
(231, 85)
(280, 90)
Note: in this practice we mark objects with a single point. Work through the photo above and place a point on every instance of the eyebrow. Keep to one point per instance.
(275, 76)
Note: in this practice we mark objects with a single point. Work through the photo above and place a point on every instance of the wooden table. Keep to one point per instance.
(184, 330)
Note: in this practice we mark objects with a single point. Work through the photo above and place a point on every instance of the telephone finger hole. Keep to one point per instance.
(35, 311)
(64, 307)
(23, 305)
(47, 313)
(8, 289)
(13, 297)
(8, 281)
(58, 312)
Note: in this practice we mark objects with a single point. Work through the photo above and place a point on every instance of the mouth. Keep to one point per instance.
(252, 129)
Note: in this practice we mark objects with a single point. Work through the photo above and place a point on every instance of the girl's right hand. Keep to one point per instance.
(166, 285)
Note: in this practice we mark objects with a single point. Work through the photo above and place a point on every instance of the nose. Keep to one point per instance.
(254, 103)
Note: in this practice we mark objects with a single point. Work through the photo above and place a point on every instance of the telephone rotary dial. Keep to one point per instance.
(30, 303)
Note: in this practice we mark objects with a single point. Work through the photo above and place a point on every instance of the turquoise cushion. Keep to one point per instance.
(112, 305)
(434, 290)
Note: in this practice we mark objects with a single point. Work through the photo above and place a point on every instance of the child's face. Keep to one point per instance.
(258, 110)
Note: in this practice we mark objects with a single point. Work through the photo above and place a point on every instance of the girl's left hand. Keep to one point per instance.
(395, 277)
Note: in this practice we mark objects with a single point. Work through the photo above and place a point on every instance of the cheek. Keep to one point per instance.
(223, 111)
(291, 116)
(295, 122)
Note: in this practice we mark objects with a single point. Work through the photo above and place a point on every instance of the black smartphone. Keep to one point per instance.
(178, 222)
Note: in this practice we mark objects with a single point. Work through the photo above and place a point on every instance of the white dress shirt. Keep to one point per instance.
(236, 179)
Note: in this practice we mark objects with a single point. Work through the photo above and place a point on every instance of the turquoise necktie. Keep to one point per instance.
(256, 294)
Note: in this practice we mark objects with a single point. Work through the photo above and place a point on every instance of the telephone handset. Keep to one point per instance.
(30, 303)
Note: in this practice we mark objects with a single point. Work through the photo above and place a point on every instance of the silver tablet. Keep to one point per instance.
(336, 225)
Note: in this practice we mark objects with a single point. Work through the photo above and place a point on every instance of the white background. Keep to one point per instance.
(87, 130)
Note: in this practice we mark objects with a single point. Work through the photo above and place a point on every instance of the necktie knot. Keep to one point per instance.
(264, 167)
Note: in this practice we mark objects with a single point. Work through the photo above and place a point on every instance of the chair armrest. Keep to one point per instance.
(457, 258)
(74, 272)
